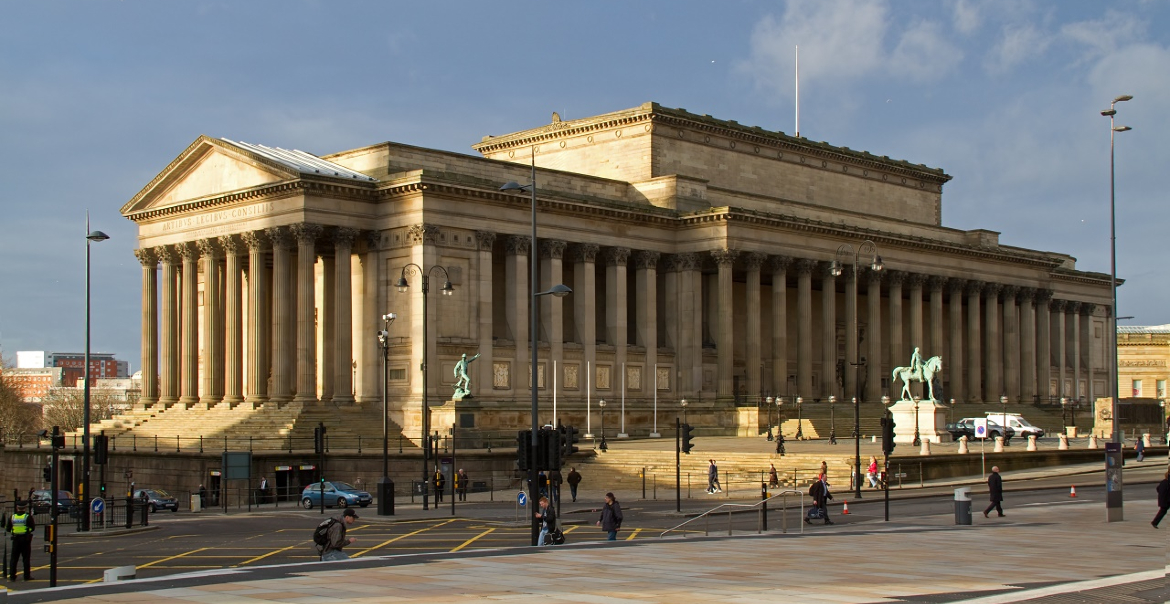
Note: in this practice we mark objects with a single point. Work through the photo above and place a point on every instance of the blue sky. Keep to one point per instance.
(97, 97)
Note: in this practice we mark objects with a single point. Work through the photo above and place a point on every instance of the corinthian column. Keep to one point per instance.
(1073, 327)
(897, 333)
(1011, 344)
(617, 323)
(343, 315)
(233, 318)
(282, 319)
(585, 305)
(916, 336)
(1060, 353)
(993, 362)
(1028, 389)
(804, 319)
(646, 278)
(937, 284)
(725, 342)
(752, 262)
(189, 385)
(256, 349)
(306, 236)
(852, 345)
(780, 266)
(149, 262)
(873, 362)
(169, 385)
(828, 332)
(212, 325)
(1044, 344)
(974, 349)
(552, 314)
(954, 364)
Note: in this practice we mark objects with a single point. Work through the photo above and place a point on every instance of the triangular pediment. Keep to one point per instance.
(208, 168)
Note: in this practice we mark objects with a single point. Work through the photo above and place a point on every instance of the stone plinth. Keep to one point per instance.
(932, 417)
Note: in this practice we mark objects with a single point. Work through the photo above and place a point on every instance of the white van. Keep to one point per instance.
(1023, 427)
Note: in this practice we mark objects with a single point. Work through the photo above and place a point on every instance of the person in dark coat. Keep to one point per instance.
(1163, 499)
(821, 496)
(995, 489)
(440, 482)
(574, 480)
(611, 517)
(548, 520)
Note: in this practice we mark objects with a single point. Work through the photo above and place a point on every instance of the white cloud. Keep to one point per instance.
(1102, 36)
(1017, 44)
(967, 17)
(924, 52)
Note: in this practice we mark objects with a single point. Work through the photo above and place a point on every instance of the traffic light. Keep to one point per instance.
(48, 473)
(887, 435)
(101, 449)
(550, 447)
(319, 439)
(687, 445)
(523, 449)
(569, 440)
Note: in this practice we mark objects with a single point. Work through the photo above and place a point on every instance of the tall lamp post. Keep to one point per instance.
(1113, 129)
(559, 290)
(604, 446)
(385, 485)
(447, 290)
(832, 419)
(682, 403)
(768, 402)
(843, 255)
(91, 237)
(800, 418)
(780, 426)
(1003, 423)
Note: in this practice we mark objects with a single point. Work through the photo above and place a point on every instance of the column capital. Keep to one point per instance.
(255, 240)
(1057, 305)
(724, 257)
(147, 257)
(991, 290)
(1087, 308)
(1043, 295)
(187, 250)
(422, 234)
(372, 240)
(1009, 293)
(552, 248)
(896, 277)
(166, 254)
(208, 248)
(686, 261)
(916, 280)
(779, 264)
(805, 266)
(230, 244)
(1072, 307)
(281, 237)
(306, 233)
(586, 252)
(344, 236)
(956, 286)
(937, 283)
(617, 256)
(517, 245)
(974, 288)
(754, 260)
(1026, 294)
(646, 259)
(484, 240)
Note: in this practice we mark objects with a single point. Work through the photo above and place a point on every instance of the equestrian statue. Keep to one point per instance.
(918, 371)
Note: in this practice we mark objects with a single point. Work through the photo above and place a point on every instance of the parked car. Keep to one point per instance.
(966, 427)
(157, 499)
(66, 504)
(1015, 421)
(341, 494)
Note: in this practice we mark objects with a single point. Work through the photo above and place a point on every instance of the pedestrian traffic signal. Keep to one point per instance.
(887, 435)
(101, 449)
(48, 473)
(523, 449)
(569, 440)
(686, 431)
(550, 449)
(319, 439)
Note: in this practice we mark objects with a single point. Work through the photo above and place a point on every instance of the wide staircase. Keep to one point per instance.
(266, 426)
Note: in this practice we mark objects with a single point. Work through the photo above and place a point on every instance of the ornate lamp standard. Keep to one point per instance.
(1003, 424)
(768, 402)
(832, 420)
(91, 237)
(604, 446)
(800, 418)
(780, 426)
(682, 403)
(447, 290)
(844, 251)
(952, 411)
(917, 438)
(385, 485)
(1064, 414)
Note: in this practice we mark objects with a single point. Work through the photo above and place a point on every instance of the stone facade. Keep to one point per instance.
(698, 251)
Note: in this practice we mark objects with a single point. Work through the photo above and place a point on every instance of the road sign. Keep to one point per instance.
(522, 498)
(98, 505)
(981, 427)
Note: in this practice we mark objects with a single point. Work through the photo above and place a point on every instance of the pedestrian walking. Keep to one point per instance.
(1140, 448)
(335, 539)
(872, 472)
(262, 490)
(1163, 499)
(462, 482)
(713, 485)
(574, 481)
(611, 517)
(22, 525)
(440, 481)
(547, 518)
(554, 485)
(203, 496)
(773, 479)
(821, 496)
(995, 488)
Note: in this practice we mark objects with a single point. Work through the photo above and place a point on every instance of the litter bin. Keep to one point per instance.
(196, 503)
(963, 506)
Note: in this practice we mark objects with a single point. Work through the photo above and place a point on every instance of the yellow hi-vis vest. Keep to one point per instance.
(20, 524)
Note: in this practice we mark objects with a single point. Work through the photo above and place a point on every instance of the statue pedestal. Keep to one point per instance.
(932, 418)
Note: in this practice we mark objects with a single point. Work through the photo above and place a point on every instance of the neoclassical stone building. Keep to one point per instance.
(698, 250)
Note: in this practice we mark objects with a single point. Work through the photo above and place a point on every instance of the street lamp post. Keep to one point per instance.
(560, 290)
(447, 290)
(682, 403)
(91, 237)
(604, 446)
(1064, 414)
(917, 438)
(780, 426)
(1003, 423)
(844, 251)
(1113, 129)
(385, 485)
(800, 418)
(952, 420)
(832, 420)
(768, 402)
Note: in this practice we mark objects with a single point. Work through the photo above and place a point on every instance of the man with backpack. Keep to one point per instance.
(330, 536)
(819, 491)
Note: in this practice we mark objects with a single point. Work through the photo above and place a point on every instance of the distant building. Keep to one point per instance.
(1143, 361)
(101, 364)
(33, 383)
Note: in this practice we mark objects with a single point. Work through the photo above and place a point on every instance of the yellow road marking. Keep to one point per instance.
(411, 534)
(472, 540)
(272, 553)
(633, 534)
(161, 560)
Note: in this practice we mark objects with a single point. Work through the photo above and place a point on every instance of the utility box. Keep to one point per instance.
(385, 496)
(963, 506)
(120, 573)
(196, 503)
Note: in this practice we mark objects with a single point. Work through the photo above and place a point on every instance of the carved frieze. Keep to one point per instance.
(422, 234)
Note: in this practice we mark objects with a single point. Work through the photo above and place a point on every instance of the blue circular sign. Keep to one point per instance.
(522, 498)
(98, 505)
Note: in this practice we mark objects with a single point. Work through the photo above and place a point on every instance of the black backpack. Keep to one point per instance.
(321, 533)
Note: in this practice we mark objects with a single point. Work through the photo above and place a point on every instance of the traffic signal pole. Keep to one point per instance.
(54, 484)
(677, 465)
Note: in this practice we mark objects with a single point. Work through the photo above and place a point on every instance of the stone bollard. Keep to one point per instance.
(1146, 439)
(925, 450)
(998, 445)
(963, 445)
(1092, 441)
(1031, 442)
(1063, 446)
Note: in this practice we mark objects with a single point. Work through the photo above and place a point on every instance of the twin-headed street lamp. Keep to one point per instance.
(1113, 129)
(91, 237)
(385, 485)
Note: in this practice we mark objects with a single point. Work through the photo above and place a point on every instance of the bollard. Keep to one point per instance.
(998, 445)
(962, 506)
(1063, 445)
(1146, 439)
(1092, 441)
(1031, 442)
(129, 511)
(963, 449)
(120, 573)
(764, 506)
(925, 450)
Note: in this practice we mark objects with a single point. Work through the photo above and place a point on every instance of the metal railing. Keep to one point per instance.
(761, 506)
